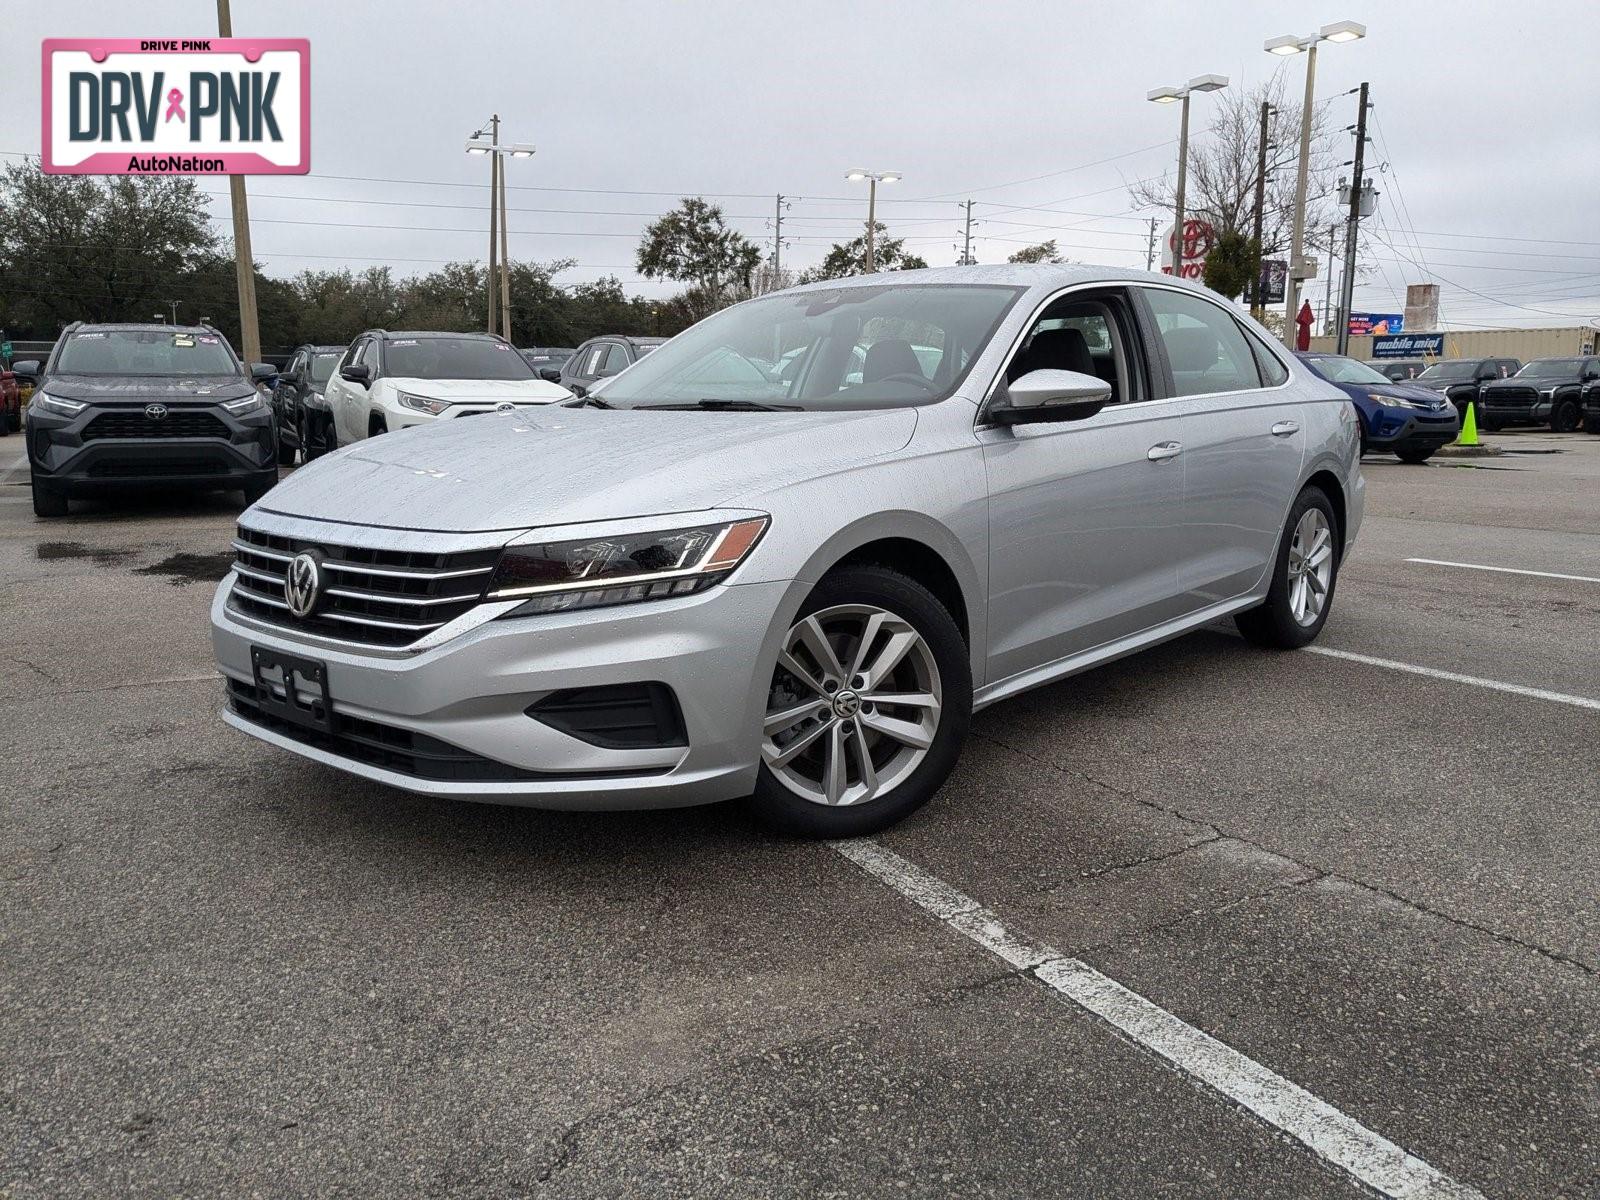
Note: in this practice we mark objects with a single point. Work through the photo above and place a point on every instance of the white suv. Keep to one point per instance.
(391, 380)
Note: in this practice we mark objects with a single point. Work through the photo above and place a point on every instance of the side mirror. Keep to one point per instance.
(550, 374)
(1052, 396)
(27, 368)
(357, 373)
(263, 371)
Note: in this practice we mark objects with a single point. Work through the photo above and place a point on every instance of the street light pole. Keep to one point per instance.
(873, 178)
(499, 280)
(243, 261)
(1338, 31)
(1201, 83)
(494, 216)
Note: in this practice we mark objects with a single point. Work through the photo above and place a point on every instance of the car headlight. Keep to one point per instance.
(595, 572)
(423, 404)
(55, 404)
(1396, 401)
(245, 404)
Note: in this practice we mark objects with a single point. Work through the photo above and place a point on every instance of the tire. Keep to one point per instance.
(312, 444)
(1566, 416)
(47, 501)
(1489, 426)
(258, 488)
(907, 765)
(376, 425)
(1591, 424)
(1281, 621)
(1415, 457)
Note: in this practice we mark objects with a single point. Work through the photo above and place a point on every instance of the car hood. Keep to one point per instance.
(1538, 384)
(112, 389)
(514, 471)
(526, 390)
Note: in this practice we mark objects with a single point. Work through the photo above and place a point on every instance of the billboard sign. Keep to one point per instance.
(1375, 323)
(1408, 345)
(1198, 238)
(168, 106)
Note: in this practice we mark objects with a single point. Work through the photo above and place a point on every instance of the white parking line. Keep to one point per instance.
(1495, 685)
(1337, 1139)
(1439, 562)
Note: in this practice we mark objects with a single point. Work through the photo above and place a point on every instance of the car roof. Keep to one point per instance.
(431, 333)
(141, 327)
(1031, 275)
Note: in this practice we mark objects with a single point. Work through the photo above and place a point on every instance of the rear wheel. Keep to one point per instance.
(868, 707)
(1303, 578)
(1415, 456)
(1566, 416)
(47, 501)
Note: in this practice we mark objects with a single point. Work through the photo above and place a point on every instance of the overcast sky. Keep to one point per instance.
(1485, 115)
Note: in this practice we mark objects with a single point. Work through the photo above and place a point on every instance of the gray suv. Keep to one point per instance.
(716, 577)
(599, 358)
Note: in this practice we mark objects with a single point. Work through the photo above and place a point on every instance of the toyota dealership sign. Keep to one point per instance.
(207, 106)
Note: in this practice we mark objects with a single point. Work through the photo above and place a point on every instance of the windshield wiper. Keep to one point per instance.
(586, 402)
(726, 406)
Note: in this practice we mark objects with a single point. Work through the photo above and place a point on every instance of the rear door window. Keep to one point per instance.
(1206, 350)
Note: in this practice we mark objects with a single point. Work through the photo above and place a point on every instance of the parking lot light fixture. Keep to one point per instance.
(1166, 95)
(873, 178)
(1336, 31)
(499, 254)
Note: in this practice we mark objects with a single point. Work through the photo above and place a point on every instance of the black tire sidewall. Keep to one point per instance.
(1273, 623)
(777, 806)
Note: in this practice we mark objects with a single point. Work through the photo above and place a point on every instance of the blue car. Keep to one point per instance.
(1404, 419)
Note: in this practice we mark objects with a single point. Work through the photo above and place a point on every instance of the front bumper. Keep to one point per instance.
(65, 453)
(715, 651)
(398, 416)
(1393, 429)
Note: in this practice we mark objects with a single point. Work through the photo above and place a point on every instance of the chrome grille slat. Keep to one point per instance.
(386, 602)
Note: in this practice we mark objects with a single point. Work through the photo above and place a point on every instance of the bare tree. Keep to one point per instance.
(1221, 188)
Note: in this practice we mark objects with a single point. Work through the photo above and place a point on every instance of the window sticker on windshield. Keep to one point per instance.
(501, 346)
(86, 337)
(207, 341)
(405, 342)
(186, 340)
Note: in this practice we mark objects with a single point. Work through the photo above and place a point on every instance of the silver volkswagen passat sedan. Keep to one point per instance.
(788, 554)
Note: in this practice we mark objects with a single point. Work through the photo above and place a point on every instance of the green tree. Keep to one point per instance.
(693, 244)
(1234, 261)
(1044, 252)
(850, 258)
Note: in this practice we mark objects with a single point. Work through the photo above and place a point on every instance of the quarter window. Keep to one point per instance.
(1206, 349)
(616, 360)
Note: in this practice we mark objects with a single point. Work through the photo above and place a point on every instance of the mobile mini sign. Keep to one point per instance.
(208, 106)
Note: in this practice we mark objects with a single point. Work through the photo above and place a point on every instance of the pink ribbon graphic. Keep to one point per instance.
(175, 105)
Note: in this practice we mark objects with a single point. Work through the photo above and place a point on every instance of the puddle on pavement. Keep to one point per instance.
(182, 568)
(99, 555)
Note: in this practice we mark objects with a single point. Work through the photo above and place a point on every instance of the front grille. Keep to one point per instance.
(132, 423)
(1511, 398)
(380, 745)
(624, 716)
(375, 597)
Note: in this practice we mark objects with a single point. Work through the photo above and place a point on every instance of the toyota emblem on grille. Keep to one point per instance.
(302, 585)
(156, 412)
(505, 406)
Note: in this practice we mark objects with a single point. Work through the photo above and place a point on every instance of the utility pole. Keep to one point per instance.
(1297, 242)
(966, 236)
(1353, 221)
(872, 222)
(243, 261)
(494, 213)
(1327, 287)
(1256, 304)
(505, 253)
(777, 242)
(1150, 247)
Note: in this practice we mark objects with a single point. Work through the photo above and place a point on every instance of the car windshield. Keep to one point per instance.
(454, 358)
(1452, 372)
(1345, 370)
(867, 346)
(140, 353)
(1551, 368)
(322, 364)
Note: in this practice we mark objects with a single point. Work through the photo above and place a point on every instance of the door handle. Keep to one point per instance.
(1164, 450)
(1285, 428)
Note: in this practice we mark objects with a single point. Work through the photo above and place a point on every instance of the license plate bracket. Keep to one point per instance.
(282, 679)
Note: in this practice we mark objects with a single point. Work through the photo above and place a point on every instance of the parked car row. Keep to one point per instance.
(1402, 418)
(1563, 393)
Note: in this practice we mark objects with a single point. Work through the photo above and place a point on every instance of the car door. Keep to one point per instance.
(289, 389)
(346, 400)
(1084, 514)
(582, 368)
(1242, 442)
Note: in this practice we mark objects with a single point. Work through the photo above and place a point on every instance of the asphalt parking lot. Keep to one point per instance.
(1370, 870)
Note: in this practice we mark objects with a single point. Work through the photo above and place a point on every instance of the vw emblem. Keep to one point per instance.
(156, 412)
(302, 585)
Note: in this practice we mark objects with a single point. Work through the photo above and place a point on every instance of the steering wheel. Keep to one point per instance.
(916, 377)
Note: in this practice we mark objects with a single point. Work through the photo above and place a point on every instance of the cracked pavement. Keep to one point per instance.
(225, 970)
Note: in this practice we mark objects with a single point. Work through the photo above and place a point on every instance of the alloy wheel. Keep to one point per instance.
(854, 705)
(1310, 566)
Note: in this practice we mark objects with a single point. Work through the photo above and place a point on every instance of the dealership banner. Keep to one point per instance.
(168, 106)
(1363, 323)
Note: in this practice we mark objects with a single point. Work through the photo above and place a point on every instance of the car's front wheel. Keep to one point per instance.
(868, 706)
(47, 501)
(1303, 577)
(1566, 416)
(1414, 457)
